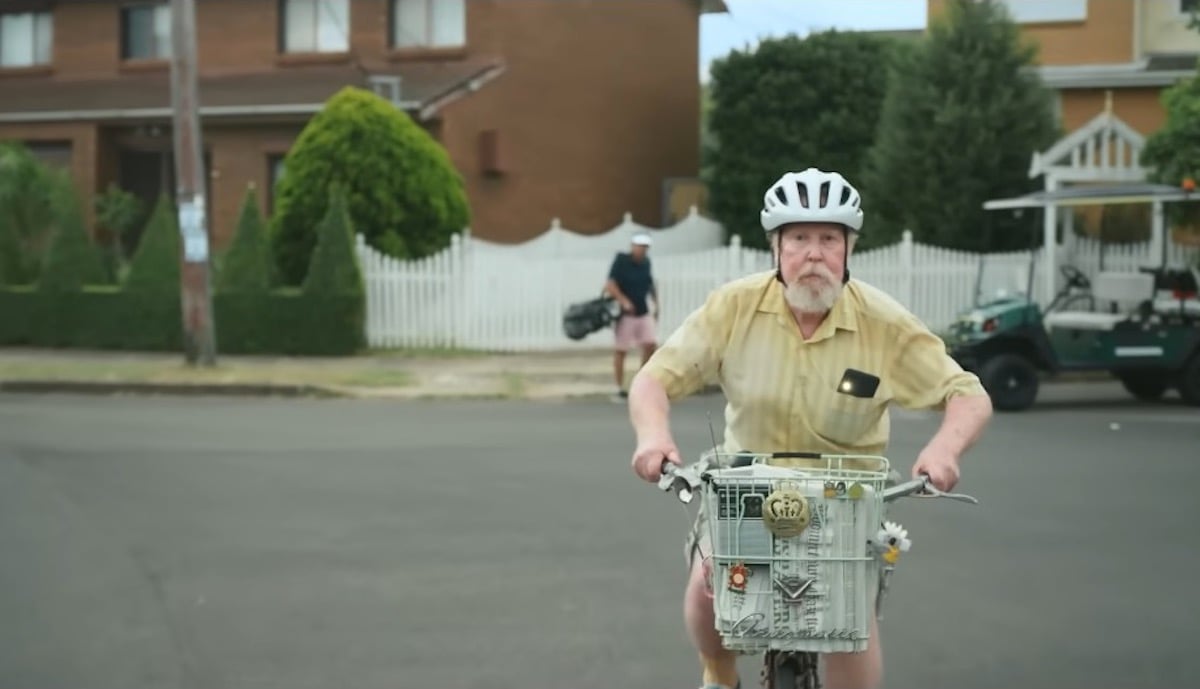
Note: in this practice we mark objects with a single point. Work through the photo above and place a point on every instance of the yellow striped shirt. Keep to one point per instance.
(782, 390)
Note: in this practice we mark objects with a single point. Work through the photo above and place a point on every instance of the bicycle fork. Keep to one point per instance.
(885, 574)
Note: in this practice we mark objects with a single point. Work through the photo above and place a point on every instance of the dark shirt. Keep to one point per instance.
(633, 279)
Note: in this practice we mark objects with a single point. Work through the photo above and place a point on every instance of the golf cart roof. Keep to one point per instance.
(1095, 195)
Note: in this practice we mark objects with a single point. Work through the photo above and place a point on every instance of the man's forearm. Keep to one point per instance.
(963, 423)
(612, 288)
(649, 407)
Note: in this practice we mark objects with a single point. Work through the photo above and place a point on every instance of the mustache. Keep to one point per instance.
(818, 270)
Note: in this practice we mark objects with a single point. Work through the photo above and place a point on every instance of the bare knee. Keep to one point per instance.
(856, 670)
(698, 614)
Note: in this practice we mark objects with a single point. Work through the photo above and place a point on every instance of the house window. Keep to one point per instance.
(1188, 6)
(26, 39)
(429, 23)
(1038, 11)
(55, 154)
(316, 26)
(275, 172)
(146, 32)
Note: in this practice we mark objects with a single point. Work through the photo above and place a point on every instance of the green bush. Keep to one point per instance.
(155, 266)
(287, 321)
(325, 318)
(247, 266)
(281, 322)
(28, 189)
(403, 193)
(791, 104)
(334, 267)
(12, 264)
(72, 261)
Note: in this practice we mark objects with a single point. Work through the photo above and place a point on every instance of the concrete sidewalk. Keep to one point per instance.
(405, 375)
(396, 375)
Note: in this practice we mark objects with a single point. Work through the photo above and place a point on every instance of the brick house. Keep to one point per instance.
(576, 109)
(1089, 48)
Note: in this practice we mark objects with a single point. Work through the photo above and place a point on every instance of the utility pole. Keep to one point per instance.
(199, 339)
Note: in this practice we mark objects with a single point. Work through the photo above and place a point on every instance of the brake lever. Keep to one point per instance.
(931, 491)
(683, 481)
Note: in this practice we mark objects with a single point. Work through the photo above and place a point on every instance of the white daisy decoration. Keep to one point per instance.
(894, 539)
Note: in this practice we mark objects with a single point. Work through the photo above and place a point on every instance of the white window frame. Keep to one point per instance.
(314, 26)
(41, 39)
(161, 38)
(444, 24)
(1047, 11)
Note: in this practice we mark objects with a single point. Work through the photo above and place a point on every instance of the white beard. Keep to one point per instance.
(812, 297)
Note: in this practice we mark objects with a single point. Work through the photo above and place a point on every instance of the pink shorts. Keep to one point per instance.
(635, 331)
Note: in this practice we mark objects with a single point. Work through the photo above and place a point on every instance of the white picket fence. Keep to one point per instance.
(480, 295)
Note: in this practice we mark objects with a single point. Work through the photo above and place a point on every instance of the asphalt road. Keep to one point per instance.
(162, 542)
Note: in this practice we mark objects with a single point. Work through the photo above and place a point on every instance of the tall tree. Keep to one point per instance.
(788, 105)
(1173, 151)
(963, 115)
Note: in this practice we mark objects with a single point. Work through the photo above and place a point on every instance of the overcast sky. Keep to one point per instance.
(749, 20)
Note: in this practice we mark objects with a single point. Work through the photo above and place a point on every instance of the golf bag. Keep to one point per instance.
(586, 317)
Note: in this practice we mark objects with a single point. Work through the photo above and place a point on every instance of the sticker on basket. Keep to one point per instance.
(835, 490)
(856, 491)
(738, 574)
(892, 540)
(785, 512)
(793, 587)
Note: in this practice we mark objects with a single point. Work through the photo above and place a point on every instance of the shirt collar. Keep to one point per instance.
(842, 316)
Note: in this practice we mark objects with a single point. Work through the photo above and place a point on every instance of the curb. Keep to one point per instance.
(341, 392)
(189, 389)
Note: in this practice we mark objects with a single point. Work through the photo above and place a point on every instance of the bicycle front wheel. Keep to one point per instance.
(790, 670)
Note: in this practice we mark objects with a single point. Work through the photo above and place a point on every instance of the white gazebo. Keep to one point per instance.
(1104, 150)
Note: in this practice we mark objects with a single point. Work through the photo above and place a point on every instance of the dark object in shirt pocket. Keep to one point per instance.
(858, 384)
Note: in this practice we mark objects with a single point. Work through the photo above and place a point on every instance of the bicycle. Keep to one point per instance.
(796, 547)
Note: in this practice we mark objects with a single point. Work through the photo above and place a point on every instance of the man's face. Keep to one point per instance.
(812, 259)
(639, 251)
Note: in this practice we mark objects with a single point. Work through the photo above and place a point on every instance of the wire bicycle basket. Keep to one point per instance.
(793, 563)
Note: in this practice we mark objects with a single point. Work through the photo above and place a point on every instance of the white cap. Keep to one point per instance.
(641, 239)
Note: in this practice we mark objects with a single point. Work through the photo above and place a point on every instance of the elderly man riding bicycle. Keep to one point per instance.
(808, 359)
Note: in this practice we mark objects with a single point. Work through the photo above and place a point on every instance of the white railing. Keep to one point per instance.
(479, 295)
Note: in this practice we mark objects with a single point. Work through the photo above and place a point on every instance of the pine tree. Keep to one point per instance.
(72, 260)
(963, 116)
(334, 268)
(155, 266)
(247, 266)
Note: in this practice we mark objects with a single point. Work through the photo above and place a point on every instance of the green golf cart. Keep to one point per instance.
(1141, 327)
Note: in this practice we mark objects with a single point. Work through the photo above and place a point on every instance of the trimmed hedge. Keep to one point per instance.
(282, 322)
(67, 308)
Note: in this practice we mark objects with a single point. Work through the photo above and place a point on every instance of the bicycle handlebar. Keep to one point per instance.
(686, 480)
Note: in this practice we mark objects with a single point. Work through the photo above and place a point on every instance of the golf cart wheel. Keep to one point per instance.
(1145, 385)
(1189, 382)
(1010, 380)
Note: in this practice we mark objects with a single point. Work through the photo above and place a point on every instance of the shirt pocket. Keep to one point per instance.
(841, 418)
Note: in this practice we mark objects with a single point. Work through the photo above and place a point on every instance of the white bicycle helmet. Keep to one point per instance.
(812, 196)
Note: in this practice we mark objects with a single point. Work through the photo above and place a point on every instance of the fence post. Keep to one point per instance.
(734, 267)
(458, 292)
(910, 269)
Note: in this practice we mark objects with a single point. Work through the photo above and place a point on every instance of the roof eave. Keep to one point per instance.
(1124, 75)
(461, 90)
